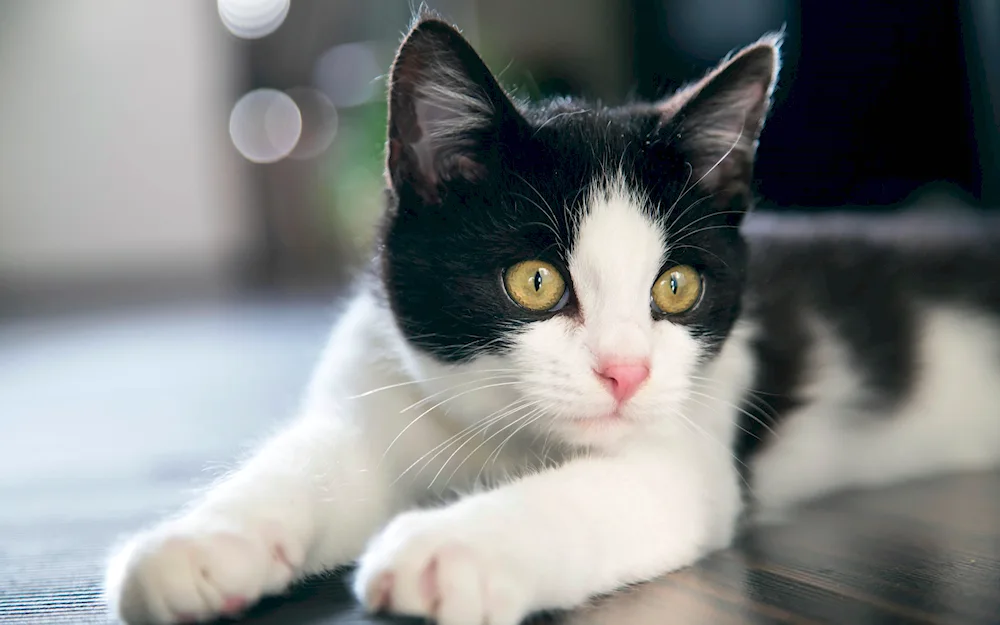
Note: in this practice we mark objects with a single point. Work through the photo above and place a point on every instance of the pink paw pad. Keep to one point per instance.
(233, 605)
(381, 597)
(429, 587)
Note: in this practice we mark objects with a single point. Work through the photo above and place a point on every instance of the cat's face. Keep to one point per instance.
(587, 260)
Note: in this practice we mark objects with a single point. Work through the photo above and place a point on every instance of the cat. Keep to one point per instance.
(575, 365)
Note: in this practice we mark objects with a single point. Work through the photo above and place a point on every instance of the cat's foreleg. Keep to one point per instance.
(306, 502)
(552, 539)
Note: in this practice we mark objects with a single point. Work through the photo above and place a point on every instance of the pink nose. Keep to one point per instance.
(623, 379)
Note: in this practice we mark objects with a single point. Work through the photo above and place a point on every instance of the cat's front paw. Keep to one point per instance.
(199, 568)
(451, 570)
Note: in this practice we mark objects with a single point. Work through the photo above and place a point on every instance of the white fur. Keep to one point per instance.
(950, 422)
(584, 504)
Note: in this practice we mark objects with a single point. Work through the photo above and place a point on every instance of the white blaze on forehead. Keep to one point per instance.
(616, 257)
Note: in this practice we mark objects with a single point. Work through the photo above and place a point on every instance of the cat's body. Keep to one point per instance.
(620, 399)
(876, 351)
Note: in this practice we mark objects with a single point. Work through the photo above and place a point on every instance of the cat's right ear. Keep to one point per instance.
(720, 118)
(447, 113)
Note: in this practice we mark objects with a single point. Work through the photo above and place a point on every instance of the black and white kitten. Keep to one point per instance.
(566, 312)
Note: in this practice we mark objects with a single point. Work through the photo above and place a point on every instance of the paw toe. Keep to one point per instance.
(459, 587)
(233, 606)
(379, 596)
(182, 573)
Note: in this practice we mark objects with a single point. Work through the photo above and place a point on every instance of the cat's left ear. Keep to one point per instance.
(447, 113)
(718, 120)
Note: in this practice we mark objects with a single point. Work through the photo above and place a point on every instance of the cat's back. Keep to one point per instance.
(831, 262)
(888, 325)
(874, 286)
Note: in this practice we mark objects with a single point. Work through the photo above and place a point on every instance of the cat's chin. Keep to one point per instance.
(595, 431)
(612, 418)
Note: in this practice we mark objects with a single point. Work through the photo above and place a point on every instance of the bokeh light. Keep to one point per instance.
(253, 19)
(319, 122)
(265, 125)
(348, 74)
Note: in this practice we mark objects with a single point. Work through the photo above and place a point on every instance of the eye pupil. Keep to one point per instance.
(677, 290)
(535, 285)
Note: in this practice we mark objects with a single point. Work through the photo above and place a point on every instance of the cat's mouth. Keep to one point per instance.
(610, 419)
(596, 430)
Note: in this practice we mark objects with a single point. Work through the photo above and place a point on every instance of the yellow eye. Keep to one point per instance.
(535, 285)
(677, 290)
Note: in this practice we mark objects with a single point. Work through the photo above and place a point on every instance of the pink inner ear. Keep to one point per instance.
(437, 159)
(741, 83)
(428, 117)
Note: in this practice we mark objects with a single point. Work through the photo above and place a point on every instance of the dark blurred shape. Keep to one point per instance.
(874, 101)
(877, 100)
(981, 25)
(881, 104)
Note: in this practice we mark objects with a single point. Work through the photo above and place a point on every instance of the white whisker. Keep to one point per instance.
(454, 438)
(733, 406)
(495, 454)
(432, 379)
(428, 398)
(705, 229)
(436, 406)
(670, 210)
(698, 429)
(528, 405)
(669, 228)
(684, 192)
(703, 218)
(488, 439)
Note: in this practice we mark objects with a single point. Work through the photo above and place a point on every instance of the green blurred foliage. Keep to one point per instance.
(352, 173)
(353, 168)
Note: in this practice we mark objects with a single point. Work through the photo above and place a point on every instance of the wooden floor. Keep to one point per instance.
(926, 552)
(80, 464)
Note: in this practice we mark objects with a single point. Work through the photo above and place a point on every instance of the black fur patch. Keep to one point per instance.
(503, 182)
(865, 281)
(481, 185)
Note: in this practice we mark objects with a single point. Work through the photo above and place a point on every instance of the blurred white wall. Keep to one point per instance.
(115, 158)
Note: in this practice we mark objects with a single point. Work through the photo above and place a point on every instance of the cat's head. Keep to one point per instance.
(587, 257)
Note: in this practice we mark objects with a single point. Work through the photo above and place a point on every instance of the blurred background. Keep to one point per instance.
(187, 187)
(166, 150)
